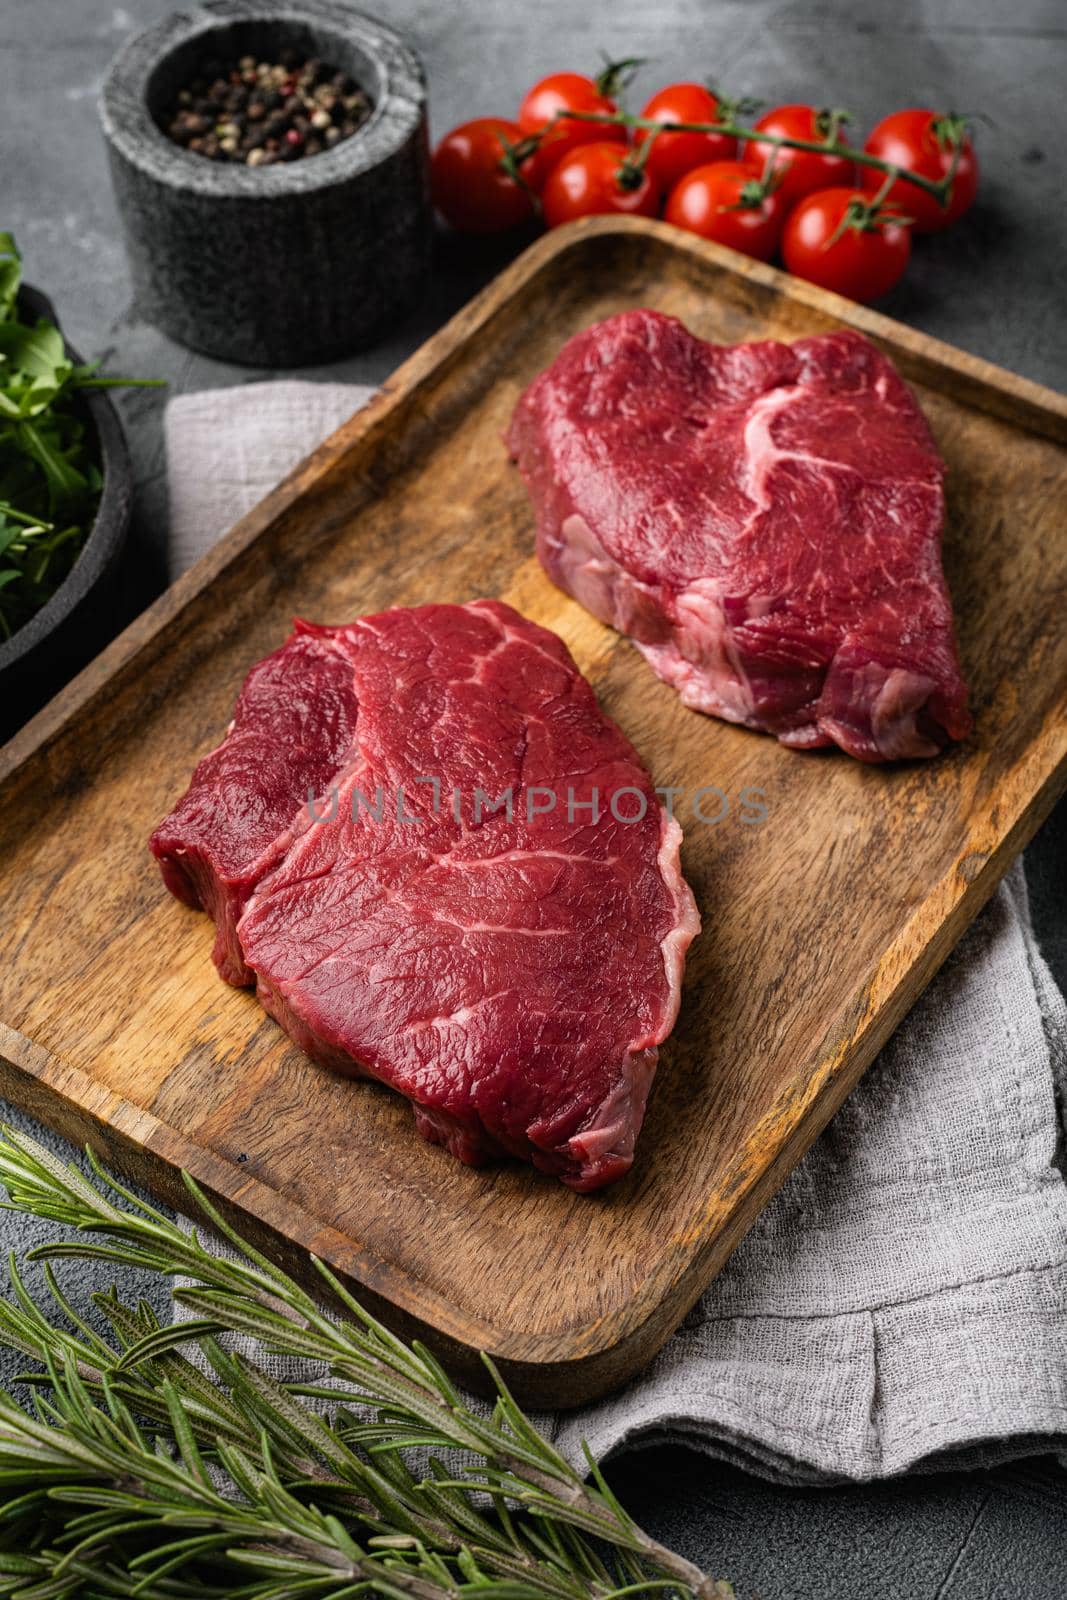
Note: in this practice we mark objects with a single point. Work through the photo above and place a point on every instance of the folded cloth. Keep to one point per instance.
(227, 447)
(903, 1300)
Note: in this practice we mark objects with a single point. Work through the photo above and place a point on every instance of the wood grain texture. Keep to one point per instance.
(822, 924)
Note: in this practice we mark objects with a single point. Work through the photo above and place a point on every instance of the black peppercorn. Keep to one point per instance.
(260, 112)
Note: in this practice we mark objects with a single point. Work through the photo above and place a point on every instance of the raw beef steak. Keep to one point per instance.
(292, 727)
(511, 974)
(764, 521)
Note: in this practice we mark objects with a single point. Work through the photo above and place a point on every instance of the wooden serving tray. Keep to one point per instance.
(821, 925)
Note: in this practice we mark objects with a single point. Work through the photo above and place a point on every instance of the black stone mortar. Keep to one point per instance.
(284, 265)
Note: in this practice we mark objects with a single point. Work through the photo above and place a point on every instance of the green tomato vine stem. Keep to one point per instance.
(940, 188)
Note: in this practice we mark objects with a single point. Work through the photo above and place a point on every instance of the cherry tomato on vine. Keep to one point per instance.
(800, 172)
(470, 188)
(563, 91)
(726, 201)
(674, 154)
(924, 142)
(596, 180)
(835, 238)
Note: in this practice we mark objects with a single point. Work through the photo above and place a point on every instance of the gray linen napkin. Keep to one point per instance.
(903, 1300)
(227, 447)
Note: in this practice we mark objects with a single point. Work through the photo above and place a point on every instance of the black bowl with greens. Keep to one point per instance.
(65, 499)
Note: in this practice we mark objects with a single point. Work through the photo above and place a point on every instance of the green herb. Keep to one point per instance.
(49, 478)
(135, 1474)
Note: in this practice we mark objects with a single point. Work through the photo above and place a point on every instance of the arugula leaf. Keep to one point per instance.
(65, 482)
(10, 274)
(39, 351)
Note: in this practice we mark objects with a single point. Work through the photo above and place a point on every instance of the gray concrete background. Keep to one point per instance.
(994, 286)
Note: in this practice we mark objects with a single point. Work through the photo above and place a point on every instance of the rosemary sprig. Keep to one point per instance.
(137, 1474)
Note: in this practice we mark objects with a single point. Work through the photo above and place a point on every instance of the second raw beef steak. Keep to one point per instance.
(763, 520)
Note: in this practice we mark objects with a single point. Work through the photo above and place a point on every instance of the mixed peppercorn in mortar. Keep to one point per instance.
(261, 112)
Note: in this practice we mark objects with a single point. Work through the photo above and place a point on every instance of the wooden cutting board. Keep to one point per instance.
(821, 925)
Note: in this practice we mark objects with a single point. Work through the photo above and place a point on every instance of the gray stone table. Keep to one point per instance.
(994, 286)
